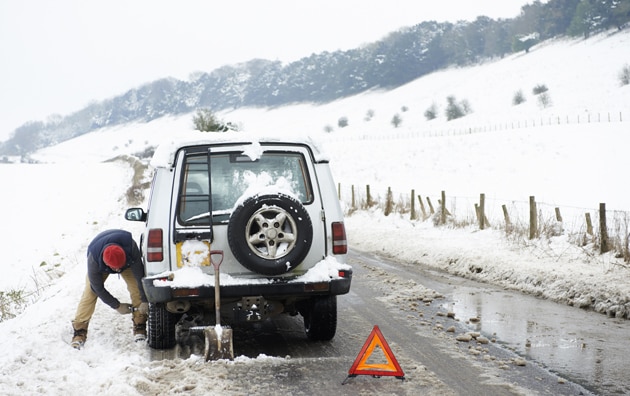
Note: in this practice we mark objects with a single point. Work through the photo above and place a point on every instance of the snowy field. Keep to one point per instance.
(51, 210)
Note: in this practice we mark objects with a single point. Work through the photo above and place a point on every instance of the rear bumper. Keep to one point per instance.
(270, 291)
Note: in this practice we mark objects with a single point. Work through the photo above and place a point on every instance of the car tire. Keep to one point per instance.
(270, 234)
(320, 318)
(161, 331)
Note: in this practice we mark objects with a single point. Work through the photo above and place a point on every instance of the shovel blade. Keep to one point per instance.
(218, 343)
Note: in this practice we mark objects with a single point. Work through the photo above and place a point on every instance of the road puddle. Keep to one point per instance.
(583, 346)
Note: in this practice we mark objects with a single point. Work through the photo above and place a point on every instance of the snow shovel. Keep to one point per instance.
(218, 339)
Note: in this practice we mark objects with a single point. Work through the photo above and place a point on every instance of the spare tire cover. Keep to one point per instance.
(270, 234)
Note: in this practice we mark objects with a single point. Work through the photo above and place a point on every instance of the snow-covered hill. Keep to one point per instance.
(52, 209)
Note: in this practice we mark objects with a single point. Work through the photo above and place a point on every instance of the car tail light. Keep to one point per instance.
(155, 249)
(339, 243)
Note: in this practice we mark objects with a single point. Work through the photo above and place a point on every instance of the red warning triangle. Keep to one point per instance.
(361, 365)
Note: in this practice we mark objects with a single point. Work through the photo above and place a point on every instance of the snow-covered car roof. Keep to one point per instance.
(165, 152)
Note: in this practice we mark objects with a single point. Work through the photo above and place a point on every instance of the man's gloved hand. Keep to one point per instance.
(124, 308)
(143, 308)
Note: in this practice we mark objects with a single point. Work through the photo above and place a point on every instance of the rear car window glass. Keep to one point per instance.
(232, 176)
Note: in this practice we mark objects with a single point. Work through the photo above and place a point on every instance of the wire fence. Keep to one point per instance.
(494, 126)
(582, 225)
(604, 230)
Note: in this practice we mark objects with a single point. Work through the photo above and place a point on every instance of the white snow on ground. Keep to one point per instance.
(50, 211)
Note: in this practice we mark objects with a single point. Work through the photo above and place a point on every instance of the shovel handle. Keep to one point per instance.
(214, 263)
(217, 293)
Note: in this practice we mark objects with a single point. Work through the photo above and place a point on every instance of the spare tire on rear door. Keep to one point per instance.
(270, 234)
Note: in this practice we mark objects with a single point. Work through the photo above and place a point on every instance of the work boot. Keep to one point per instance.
(139, 332)
(80, 334)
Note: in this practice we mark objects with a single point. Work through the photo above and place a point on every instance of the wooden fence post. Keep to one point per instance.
(558, 215)
(533, 218)
(422, 208)
(506, 216)
(389, 202)
(369, 196)
(589, 224)
(431, 210)
(443, 208)
(477, 211)
(354, 202)
(413, 205)
(603, 231)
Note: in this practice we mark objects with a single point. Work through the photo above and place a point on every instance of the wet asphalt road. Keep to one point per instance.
(421, 313)
(581, 346)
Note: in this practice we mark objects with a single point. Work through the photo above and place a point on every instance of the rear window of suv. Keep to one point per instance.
(234, 174)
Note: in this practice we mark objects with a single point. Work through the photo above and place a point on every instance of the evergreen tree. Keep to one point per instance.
(620, 13)
(558, 16)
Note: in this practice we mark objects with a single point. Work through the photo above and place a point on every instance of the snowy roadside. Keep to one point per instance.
(553, 269)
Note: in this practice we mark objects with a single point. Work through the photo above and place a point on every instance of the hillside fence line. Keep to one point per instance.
(603, 229)
(456, 130)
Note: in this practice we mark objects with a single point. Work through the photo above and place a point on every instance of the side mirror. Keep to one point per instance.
(135, 214)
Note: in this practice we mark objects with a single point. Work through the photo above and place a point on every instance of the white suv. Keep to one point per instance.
(269, 207)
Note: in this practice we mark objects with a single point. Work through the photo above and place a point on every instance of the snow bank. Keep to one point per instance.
(554, 269)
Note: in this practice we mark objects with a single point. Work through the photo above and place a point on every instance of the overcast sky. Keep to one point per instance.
(57, 56)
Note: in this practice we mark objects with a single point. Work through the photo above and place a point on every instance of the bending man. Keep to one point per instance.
(112, 252)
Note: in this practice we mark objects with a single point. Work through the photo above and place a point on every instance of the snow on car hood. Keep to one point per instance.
(191, 277)
(165, 153)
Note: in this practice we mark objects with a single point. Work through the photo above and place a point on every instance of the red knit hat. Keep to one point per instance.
(114, 256)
